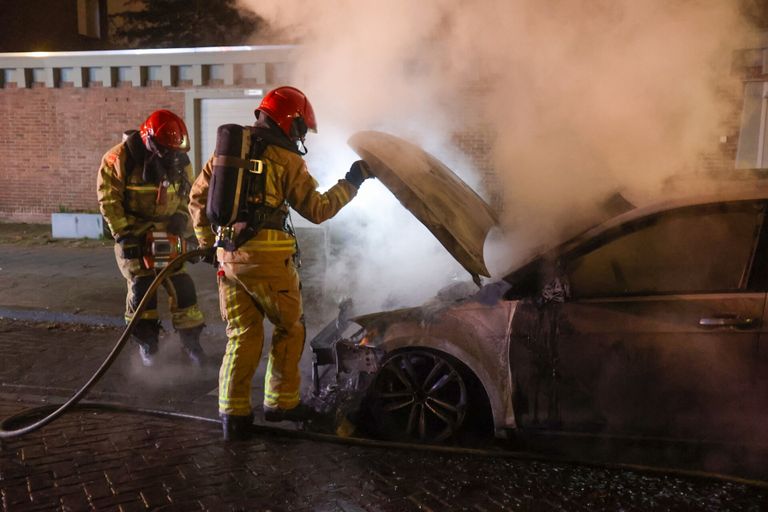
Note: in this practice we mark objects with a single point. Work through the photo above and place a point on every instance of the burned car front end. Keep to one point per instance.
(418, 373)
(421, 373)
(343, 363)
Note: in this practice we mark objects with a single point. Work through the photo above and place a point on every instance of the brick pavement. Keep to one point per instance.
(117, 461)
(97, 460)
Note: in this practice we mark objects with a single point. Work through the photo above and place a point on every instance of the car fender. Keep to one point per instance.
(486, 354)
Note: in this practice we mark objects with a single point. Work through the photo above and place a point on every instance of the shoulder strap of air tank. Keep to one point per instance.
(257, 182)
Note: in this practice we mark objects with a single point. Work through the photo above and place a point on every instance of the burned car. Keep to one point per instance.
(649, 324)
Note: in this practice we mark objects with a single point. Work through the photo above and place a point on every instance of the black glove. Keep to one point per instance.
(177, 224)
(130, 246)
(358, 173)
(210, 258)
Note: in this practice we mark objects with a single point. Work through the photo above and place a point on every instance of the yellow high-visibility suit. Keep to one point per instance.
(260, 280)
(131, 206)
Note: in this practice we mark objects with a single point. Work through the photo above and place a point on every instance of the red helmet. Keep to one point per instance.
(291, 110)
(165, 129)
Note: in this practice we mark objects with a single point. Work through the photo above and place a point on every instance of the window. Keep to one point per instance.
(89, 18)
(752, 151)
(684, 251)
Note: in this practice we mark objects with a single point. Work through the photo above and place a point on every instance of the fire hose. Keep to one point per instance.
(27, 421)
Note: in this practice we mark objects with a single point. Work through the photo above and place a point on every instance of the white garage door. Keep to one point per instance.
(218, 111)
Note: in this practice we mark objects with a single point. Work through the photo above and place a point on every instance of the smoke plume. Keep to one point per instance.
(578, 98)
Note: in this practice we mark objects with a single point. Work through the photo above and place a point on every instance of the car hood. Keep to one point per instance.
(453, 212)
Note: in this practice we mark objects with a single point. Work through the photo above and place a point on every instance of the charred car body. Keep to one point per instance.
(649, 324)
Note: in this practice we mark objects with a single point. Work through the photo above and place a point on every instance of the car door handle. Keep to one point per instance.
(727, 321)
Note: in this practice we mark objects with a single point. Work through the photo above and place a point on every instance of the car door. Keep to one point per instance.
(660, 332)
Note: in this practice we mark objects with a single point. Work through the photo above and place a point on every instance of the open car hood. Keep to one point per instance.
(453, 212)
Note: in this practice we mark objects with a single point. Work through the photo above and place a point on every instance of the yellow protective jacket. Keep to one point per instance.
(287, 182)
(128, 203)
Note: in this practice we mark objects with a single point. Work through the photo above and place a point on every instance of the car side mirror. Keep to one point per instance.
(543, 281)
(554, 285)
(556, 289)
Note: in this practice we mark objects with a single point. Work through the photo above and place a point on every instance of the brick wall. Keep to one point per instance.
(477, 144)
(722, 158)
(52, 141)
(54, 138)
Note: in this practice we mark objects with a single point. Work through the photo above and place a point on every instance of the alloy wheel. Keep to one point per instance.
(418, 395)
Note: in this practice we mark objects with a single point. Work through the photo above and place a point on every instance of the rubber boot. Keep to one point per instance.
(145, 334)
(190, 341)
(301, 412)
(147, 353)
(236, 428)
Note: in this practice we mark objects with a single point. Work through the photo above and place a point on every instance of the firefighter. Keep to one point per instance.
(143, 187)
(259, 278)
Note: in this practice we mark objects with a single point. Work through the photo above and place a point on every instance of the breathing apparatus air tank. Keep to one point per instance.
(237, 175)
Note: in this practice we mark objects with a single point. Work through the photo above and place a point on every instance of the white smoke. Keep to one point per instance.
(580, 98)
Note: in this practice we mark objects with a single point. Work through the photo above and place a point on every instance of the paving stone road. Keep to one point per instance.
(102, 460)
(105, 461)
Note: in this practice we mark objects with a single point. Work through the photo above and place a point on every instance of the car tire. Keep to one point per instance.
(417, 396)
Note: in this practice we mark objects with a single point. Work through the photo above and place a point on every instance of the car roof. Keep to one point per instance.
(675, 203)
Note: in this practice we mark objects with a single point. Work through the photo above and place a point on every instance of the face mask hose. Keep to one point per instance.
(9, 427)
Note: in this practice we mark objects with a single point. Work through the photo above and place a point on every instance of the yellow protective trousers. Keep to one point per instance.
(182, 297)
(249, 292)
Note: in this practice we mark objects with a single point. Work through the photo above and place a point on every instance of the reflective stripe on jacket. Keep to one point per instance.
(287, 181)
(129, 203)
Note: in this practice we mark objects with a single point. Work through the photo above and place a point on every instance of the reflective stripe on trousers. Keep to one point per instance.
(248, 293)
(182, 296)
